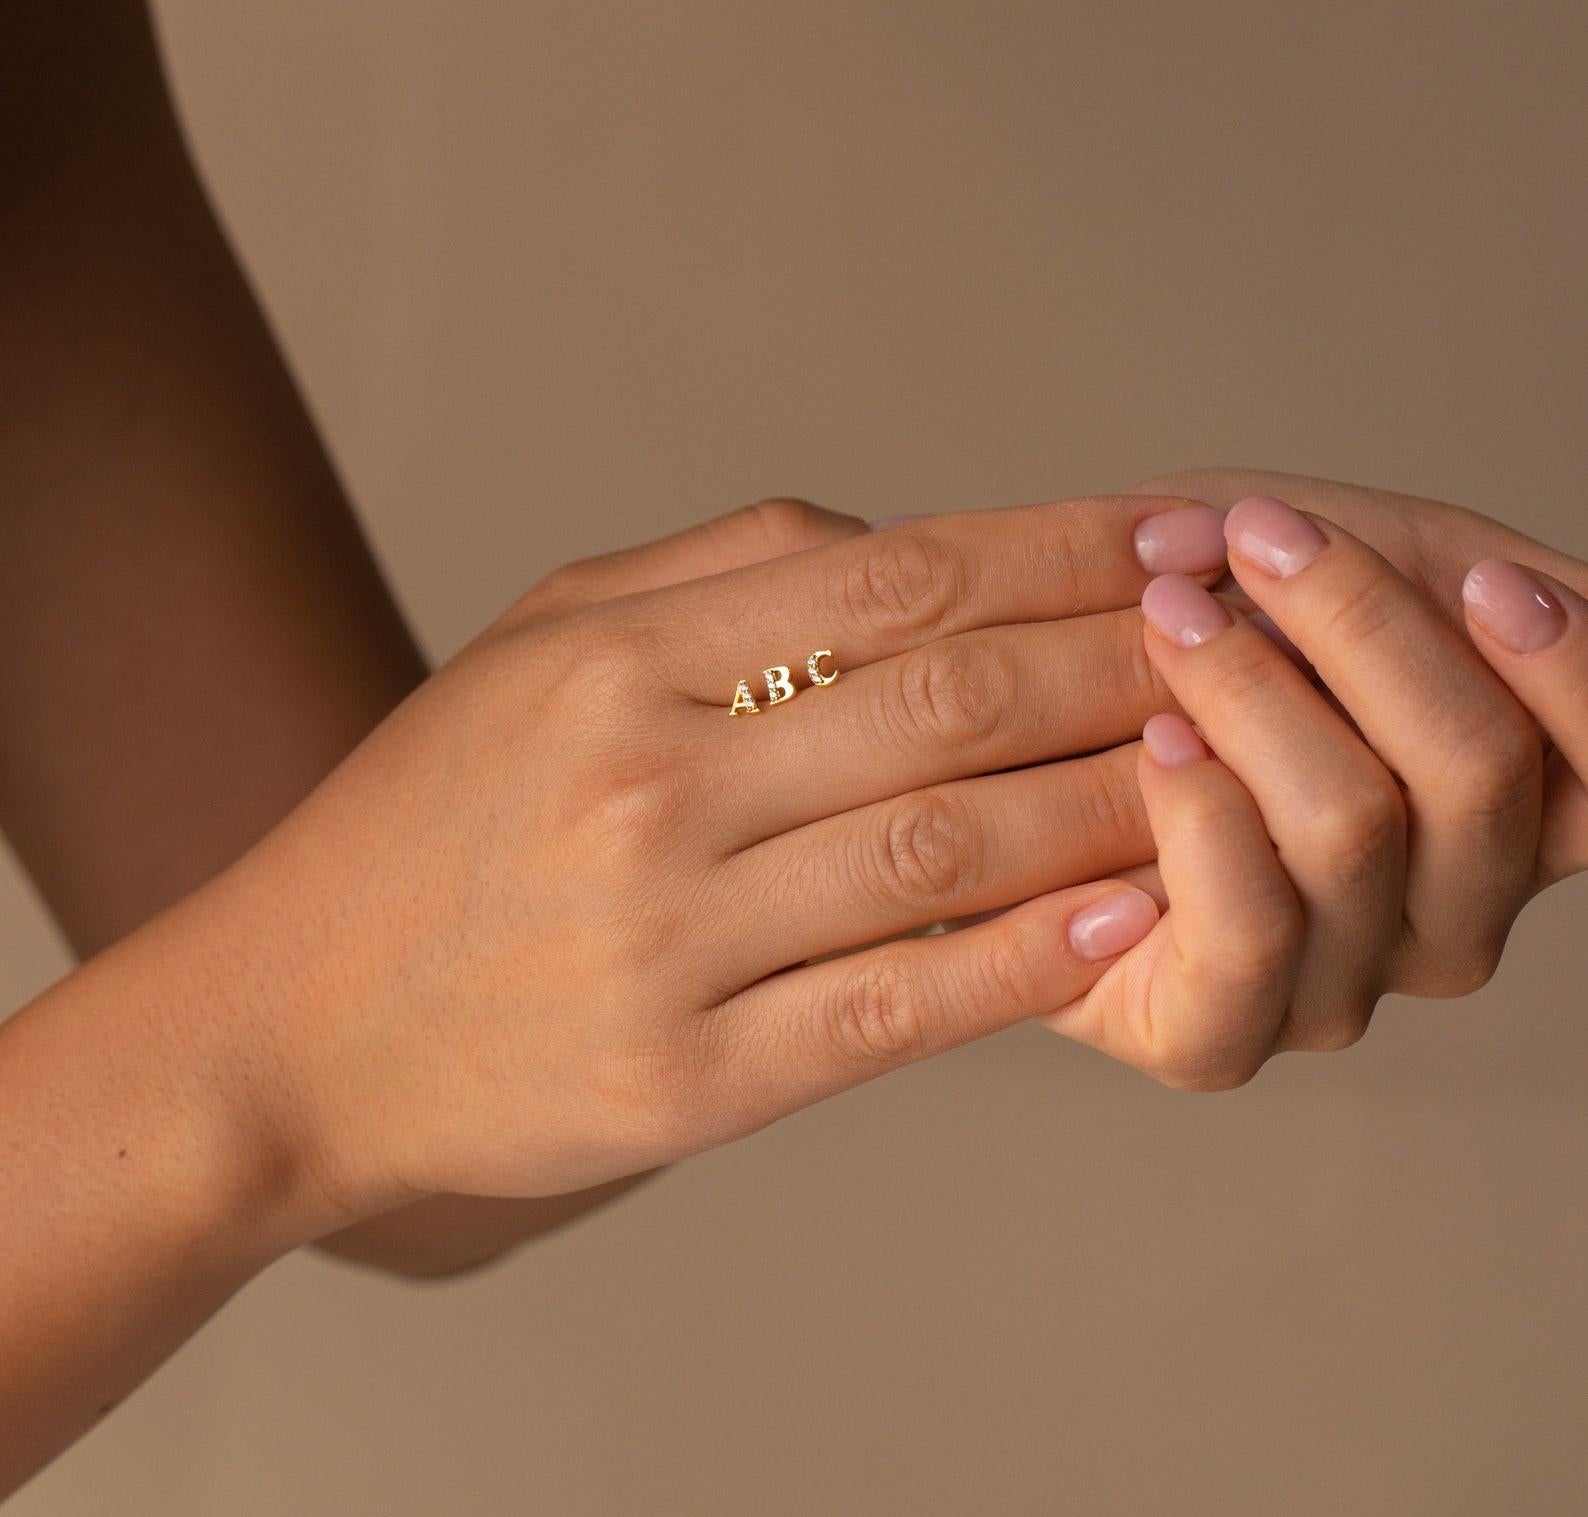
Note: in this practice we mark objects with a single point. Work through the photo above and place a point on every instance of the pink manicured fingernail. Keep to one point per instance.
(1276, 635)
(1181, 542)
(1512, 606)
(1183, 611)
(1172, 741)
(1279, 540)
(882, 523)
(1112, 925)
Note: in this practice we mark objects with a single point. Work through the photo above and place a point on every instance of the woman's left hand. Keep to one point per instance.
(1311, 865)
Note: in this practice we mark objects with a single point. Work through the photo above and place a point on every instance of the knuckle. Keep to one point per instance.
(905, 582)
(1246, 678)
(783, 524)
(1066, 551)
(1449, 972)
(1496, 773)
(1344, 1027)
(1141, 686)
(1357, 831)
(1011, 974)
(565, 588)
(652, 1094)
(877, 1019)
(930, 850)
(950, 695)
(1246, 962)
(1209, 1070)
(1365, 615)
(629, 797)
(1107, 813)
(1209, 482)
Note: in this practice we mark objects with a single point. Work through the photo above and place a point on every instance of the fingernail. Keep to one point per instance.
(1512, 606)
(1275, 634)
(1181, 542)
(1173, 741)
(1183, 611)
(882, 523)
(1276, 538)
(1110, 926)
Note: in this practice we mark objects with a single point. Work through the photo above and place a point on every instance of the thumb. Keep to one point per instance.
(1533, 630)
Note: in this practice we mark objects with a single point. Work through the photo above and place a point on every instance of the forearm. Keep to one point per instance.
(148, 1168)
(192, 630)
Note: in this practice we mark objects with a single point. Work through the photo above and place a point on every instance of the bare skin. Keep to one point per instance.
(193, 630)
(515, 952)
(560, 919)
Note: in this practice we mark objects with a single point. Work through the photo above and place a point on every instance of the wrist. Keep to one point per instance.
(154, 1071)
(146, 1174)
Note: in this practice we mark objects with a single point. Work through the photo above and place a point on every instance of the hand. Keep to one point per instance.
(1433, 545)
(1533, 630)
(549, 925)
(1311, 865)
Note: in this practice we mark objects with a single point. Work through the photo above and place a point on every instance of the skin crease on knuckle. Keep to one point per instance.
(950, 695)
(1063, 547)
(1343, 1027)
(1209, 1069)
(929, 849)
(903, 583)
(1108, 807)
(1358, 830)
(1445, 971)
(876, 1018)
(1494, 775)
(783, 524)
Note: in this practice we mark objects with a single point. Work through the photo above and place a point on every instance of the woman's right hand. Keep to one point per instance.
(551, 923)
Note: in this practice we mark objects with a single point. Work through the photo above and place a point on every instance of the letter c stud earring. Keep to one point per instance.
(813, 668)
(780, 685)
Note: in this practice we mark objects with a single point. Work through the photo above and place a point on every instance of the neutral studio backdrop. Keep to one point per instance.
(559, 277)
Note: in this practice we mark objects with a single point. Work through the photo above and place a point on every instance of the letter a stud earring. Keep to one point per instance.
(780, 685)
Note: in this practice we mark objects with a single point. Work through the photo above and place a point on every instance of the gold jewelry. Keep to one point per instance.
(780, 684)
(779, 687)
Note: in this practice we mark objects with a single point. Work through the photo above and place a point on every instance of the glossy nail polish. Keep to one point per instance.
(1110, 926)
(1513, 607)
(1172, 741)
(1275, 537)
(1190, 541)
(1183, 611)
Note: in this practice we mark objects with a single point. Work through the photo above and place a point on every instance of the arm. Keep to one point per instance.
(192, 630)
(558, 920)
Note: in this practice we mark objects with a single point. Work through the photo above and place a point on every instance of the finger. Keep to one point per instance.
(1533, 630)
(1200, 1004)
(751, 535)
(813, 1031)
(1462, 746)
(970, 704)
(1332, 810)
(877, 596)
(950, 851)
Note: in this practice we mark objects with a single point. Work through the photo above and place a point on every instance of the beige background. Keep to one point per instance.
(558, 277)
